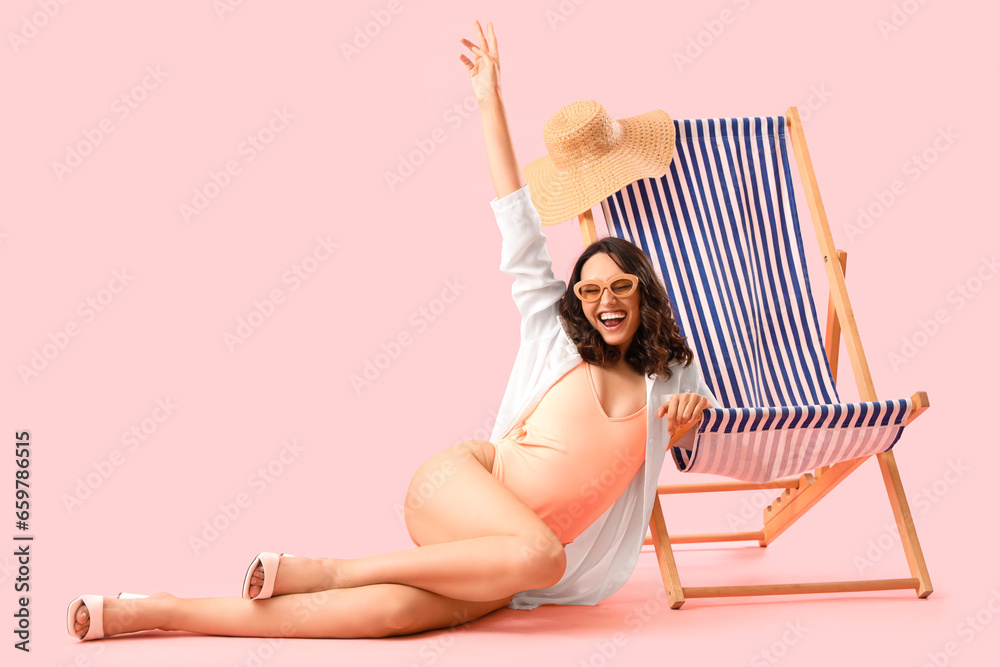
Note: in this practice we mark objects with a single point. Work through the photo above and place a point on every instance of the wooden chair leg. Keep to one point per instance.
(904, 522)
(665, 556)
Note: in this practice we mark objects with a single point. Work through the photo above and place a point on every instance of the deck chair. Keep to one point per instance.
(722, 229)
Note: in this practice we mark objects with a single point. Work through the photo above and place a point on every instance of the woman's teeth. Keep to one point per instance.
(612, 322)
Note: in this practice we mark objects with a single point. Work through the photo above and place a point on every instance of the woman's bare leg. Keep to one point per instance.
(381, 610)
(497, 547)
(478, 540)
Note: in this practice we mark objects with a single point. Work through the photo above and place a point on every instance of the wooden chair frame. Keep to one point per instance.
(800, 493)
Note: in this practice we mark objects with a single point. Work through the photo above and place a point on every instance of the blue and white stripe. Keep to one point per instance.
(723, 232)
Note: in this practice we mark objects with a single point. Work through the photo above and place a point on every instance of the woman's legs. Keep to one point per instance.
(478, 540)
(381, 610)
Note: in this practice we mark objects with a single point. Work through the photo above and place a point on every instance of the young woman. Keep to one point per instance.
(527, 518)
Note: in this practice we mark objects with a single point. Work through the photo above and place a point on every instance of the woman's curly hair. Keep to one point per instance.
(657, 341)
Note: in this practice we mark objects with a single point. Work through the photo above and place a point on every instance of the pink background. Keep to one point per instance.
(870, 102)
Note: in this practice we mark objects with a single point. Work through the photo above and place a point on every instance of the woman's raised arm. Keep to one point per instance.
(484, 72)
(523, 255)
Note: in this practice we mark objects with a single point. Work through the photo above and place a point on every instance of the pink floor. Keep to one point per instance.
(119, 296)
(952, 626)
(893, 628)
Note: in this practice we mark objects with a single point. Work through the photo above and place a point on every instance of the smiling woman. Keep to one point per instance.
(647, 338)
(519, 521)
(590, 290)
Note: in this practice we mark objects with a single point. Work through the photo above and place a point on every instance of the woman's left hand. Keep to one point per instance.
(681, 409)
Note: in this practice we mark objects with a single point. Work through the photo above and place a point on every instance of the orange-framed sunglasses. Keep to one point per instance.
(620, 285)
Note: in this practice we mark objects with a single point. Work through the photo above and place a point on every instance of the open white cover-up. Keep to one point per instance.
(601, 559)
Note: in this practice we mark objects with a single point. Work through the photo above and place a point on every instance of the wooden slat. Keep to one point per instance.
(699, 538)
(833, 324)
(712, 487)
(680, 431)
(920, 403)
(587, 228)
(798, 589)
(834, 272)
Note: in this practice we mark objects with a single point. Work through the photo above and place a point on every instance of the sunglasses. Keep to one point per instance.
(621, 286)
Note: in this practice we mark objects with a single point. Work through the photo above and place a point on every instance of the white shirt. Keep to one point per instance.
(601, 559)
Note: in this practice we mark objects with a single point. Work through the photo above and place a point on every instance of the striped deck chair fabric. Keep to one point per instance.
(722, 229)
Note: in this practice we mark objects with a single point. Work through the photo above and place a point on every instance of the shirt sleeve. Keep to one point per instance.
(523, 255)
(689, 378)
(692, 380)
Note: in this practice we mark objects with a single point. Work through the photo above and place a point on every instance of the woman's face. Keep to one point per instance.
(614, 331)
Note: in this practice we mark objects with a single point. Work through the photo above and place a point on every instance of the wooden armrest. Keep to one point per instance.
(920, 403)
(681, 430)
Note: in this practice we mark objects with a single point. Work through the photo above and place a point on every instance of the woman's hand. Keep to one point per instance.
(681, 409)
(485, 71)
(485, 76)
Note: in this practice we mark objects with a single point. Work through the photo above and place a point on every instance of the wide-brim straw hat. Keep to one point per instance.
(592, 156)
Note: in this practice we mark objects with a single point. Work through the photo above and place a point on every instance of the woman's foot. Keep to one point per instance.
(298, 575)
(121, 616)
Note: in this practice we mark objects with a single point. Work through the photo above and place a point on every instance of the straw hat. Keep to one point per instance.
(592, 156)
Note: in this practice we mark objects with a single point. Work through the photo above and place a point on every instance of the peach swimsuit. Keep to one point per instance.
(568, 461)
